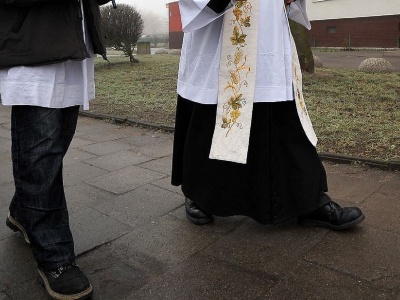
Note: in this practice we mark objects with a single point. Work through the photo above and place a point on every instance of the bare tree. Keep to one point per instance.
(123, 27)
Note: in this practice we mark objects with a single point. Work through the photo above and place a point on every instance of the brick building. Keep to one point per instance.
(354, 23)
(335, 23)
(175, 26)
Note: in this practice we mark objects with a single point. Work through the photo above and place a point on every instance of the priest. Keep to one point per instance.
(244, 143)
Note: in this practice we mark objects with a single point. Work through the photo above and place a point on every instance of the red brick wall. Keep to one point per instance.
(383, 31)
(175, 26)
(175, 40)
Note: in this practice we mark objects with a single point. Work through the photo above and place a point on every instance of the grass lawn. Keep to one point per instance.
(353, 113)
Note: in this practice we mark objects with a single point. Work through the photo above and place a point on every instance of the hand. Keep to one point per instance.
(287, 2)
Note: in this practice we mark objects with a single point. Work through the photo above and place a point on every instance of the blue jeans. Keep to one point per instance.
(40, 140)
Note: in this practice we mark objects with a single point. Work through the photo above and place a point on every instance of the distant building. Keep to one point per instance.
(175, 26)
(335, 23)
(354, 23)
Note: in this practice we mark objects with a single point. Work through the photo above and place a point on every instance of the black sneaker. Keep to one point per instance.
(66, 283)
(16, 226)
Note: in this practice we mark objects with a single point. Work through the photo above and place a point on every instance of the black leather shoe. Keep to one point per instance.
(14, 225)
(333, 216)
(195, 214)
(67, 283)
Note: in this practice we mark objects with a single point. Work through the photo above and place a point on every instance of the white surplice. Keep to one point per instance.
(200, 59)
(278, 74)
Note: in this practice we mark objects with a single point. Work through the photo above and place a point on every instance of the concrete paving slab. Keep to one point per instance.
(162, 165)
(352, 188)
(204, 277)
(4, 297)
(112, 134)
(364, 252)
(82, 196)
(79, 142)
(6, 193)
(5, 110)
(169, 240)
(16, 262)
(5, 119)
(91, 229)
(116, 271)
(5, 232)
(118, 160)
(270, 249)
(29, 290)
(5, 145)
(108, 147)
(5, 131)
(382, 212)
(165, 183)
(391, 188)
(219, 225)
(6, 126)
(79, 172)
(75, 155)
(311, 281)
(6, 172)
(141, 206)
(146, 138)
(161, 149)
(86, 125)
(125, 180)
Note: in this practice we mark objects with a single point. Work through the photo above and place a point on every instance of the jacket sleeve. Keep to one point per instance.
(218, 6)
(196, 14)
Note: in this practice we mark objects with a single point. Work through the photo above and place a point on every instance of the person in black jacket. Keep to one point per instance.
(46, 72)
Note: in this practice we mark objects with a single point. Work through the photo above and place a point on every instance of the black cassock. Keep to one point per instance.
(283, 177)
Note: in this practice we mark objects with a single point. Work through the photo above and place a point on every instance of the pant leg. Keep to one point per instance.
(40, 140)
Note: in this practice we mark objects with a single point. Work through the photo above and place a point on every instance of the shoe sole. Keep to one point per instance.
(16, 227)
(199, 221)
(311, 223)
(86, 294)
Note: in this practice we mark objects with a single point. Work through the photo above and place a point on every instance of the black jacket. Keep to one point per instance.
(39, 32)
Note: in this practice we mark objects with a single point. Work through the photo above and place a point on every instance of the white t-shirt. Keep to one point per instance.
(56, 85)
(200, 60)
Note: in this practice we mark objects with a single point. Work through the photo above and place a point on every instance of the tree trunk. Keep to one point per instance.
(132, 59)
(304, 52)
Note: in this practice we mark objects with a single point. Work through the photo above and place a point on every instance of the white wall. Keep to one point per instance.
(340, 9)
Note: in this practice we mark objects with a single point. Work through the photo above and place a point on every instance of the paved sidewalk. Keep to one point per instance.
(134, 242)
(353, 59)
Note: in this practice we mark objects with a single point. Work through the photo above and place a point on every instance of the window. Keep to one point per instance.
(331, 29)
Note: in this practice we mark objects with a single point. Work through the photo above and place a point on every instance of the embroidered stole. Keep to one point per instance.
(237, 76)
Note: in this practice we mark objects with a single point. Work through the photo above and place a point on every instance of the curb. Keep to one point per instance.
(373, 163)
(331, 157)
(126, 121)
